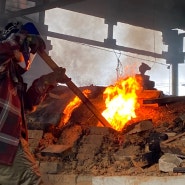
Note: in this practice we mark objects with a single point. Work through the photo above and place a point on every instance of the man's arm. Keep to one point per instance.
(41, 86)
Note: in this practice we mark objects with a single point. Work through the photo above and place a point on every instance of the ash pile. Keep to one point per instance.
(150, 144)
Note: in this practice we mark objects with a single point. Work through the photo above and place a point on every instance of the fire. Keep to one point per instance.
(71, 106)
(121, 102)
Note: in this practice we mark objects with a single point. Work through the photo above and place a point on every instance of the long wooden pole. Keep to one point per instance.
(75, 89)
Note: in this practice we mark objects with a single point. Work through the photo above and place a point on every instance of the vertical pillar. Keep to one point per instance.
(41, 20)
(174, 78)
(111, 20)
(110, 41)
(174, 55)
(2, 11)
(2, 6)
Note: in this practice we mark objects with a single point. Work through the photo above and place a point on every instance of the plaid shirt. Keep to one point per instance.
(12, 122)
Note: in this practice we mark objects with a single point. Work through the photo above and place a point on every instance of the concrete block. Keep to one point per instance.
(93, 139)
(67, 180)
(142, 126)
(89, 148)
(57, 150)
(49, 167)
(169, 161)
(34, 137)
(61, 179)
(100, 130)
(35, 134)
(84, 180)
(84, 156)
(138, 180)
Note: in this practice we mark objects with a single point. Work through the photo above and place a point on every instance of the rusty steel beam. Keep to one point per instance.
(75, 90)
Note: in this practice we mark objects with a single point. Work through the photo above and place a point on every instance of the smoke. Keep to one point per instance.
(88, 65)
(85, 65)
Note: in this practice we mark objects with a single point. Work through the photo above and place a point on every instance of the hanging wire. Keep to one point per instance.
(122, 53)
(119, 68)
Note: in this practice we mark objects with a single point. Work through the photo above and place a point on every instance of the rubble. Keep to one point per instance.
(97, 150)
(174, 145)
(142, 126)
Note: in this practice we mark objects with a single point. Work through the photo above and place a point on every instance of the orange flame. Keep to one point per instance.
(72, 105)
(121, 102)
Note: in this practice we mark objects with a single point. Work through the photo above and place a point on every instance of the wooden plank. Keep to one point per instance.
(164, 100)
(174, 145)
(149, 94)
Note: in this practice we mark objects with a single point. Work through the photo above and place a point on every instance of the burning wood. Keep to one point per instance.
(121, 102)
(70, 107)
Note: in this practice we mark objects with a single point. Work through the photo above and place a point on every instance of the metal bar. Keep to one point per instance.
(164, 100)
(99, 44)
(37, 8)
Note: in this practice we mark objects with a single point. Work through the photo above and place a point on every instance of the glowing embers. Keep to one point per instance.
(121, 101)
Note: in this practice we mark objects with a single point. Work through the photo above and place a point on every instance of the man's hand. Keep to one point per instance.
(57, 76)
(20, 41)
(35, 42)
(60, 75)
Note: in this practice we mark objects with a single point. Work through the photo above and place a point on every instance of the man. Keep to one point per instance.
(18, 43)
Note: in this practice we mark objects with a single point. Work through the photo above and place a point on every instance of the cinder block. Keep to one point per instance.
(49, 167)
(84, 180)
(63, 179)
(142, 126)
(34, 137)
(89, 148)
(35, 134)
(59, 179)
(93, 139)
(57, 150)
(100, 130)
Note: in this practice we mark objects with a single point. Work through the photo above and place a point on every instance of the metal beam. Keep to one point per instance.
(101, 44)
(38, 8)
(2, 6)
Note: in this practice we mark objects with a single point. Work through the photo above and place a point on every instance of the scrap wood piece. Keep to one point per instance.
(164, 100)
(173, 146)
(174, 138)
(149, 94)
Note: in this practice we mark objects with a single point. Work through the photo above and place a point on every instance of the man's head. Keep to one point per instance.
(26, 38)
(9, 29)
